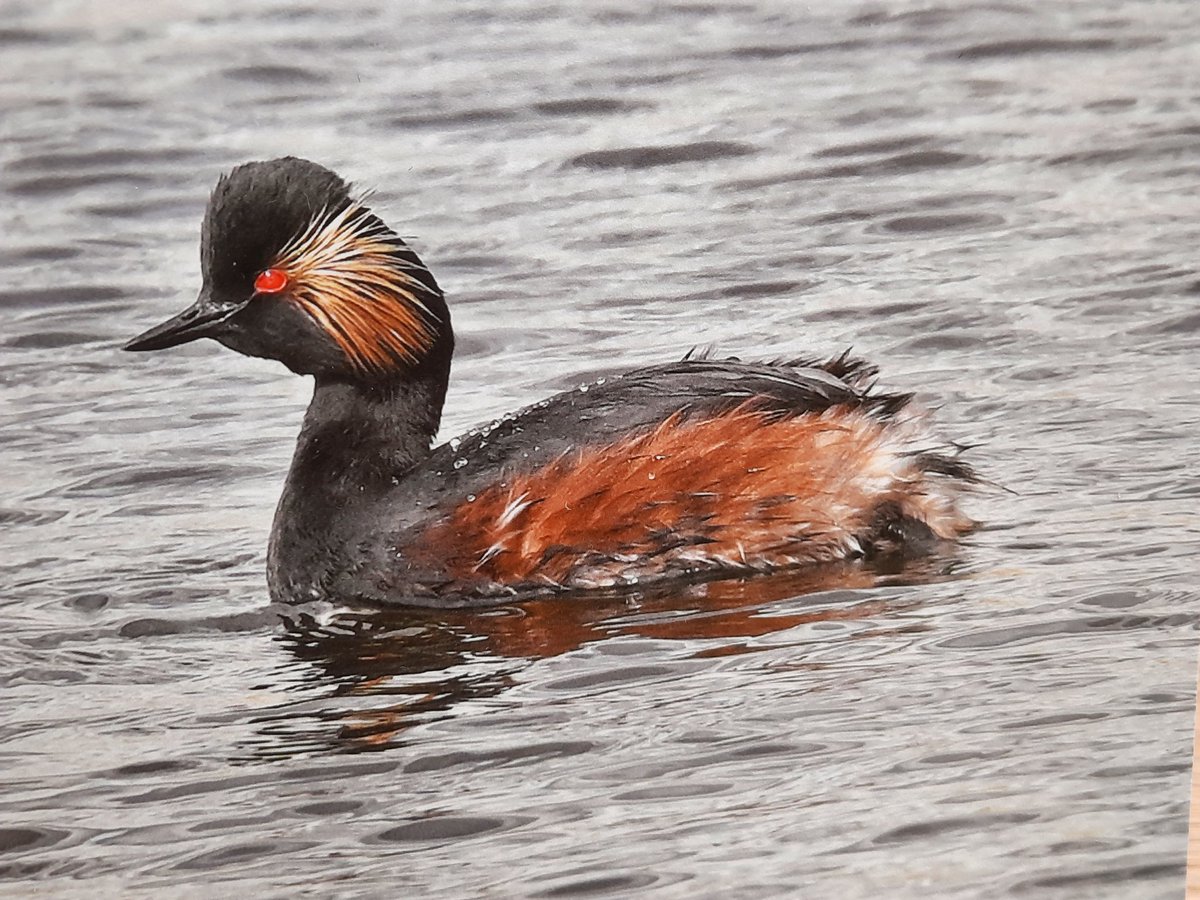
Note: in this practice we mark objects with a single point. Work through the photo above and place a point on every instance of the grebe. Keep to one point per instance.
(699, 468)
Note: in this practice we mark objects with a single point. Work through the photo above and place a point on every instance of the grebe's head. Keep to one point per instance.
(298, 270)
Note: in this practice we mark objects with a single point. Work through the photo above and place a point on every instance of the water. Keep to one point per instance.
(997, 202)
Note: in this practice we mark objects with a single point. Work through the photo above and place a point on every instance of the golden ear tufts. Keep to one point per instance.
(348, 276)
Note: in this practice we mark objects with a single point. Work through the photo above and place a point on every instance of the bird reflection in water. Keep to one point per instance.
(390, 669)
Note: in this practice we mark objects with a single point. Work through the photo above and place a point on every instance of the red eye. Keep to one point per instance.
(271, 281)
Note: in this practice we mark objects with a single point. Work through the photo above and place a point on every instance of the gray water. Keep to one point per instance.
(997, 202)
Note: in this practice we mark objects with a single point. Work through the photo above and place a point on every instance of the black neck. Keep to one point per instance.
(358, 441)
(359, 433)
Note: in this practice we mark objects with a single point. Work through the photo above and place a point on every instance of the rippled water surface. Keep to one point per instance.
(995, 201)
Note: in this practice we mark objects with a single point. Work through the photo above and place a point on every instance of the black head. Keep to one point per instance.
(296, 269)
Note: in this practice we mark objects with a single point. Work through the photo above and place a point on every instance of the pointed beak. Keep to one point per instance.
(199, 320)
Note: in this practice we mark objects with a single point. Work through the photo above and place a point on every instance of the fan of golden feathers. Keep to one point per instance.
(349, 273)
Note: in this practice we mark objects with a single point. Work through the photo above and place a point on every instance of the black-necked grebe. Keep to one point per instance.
(698, 468)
